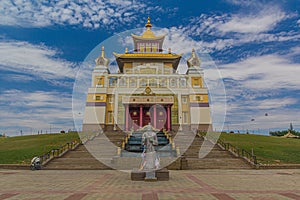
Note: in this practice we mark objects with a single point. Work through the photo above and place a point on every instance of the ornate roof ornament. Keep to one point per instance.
(102, 60)
(194, 63)
(148, 34)
(194, 60)
(148, 25)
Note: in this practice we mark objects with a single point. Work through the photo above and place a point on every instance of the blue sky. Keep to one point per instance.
(255, 45)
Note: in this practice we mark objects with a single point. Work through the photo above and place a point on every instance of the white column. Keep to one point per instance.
(179, 111)
(116, 106)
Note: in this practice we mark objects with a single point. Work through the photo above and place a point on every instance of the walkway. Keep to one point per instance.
(108, 184)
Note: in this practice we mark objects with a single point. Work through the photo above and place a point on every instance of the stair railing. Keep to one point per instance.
(47, 157)
(87, 136)
(242, 153)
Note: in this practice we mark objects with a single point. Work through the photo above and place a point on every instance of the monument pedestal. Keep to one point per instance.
(156, 175)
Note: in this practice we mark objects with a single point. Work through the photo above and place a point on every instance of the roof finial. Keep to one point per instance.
(102, 53)
(148, 25)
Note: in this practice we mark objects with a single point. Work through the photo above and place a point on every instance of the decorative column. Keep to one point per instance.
(126, 116)
(168, 118)
(154, 123)
(179, 111)
(141, 116)
(116, 104)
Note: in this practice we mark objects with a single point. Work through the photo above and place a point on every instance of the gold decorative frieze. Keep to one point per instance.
(148, 100)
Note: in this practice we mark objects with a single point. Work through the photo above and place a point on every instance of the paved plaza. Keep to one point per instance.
(108, 184)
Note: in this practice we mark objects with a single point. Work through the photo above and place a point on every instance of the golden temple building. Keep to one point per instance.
(147, 90)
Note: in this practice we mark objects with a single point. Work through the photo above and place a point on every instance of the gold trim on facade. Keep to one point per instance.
(147, 55)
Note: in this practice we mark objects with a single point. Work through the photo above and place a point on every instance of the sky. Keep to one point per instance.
(254, 44)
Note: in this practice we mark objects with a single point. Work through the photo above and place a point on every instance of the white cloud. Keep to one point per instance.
(264, 72)
(255, 23)
(21, 78)
(269, 103)
(35, 110)
(270, 113)
(90, 14)
(259, 23)
(23, 57)
(259, 85)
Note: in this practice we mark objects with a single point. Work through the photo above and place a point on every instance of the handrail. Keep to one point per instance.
(242, 153)
(87, 136)
(59, 151)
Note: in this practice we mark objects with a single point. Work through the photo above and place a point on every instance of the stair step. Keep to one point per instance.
(81, 158)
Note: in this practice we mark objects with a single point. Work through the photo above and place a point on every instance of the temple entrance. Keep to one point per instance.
(146, 117)
(144, 110)
(141, 115)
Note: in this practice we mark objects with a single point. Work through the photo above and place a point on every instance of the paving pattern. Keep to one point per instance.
(186, 184)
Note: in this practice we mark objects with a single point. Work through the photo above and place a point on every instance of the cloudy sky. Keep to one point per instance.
(254, 44)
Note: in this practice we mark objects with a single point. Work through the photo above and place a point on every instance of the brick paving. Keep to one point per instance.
(187, 184)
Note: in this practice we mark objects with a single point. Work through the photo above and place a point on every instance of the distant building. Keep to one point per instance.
(147, 89)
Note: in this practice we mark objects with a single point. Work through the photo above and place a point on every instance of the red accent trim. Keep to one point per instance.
(141, 116)
(126, 117)
(95, 103)
(199, 104)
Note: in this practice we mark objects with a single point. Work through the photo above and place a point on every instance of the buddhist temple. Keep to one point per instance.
(147, 89)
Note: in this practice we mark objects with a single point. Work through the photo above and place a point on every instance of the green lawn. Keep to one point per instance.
(21, 149)
(268, 149)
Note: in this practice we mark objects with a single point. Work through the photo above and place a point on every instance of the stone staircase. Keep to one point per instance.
(104, 148)
(76, 159)
(215, 157)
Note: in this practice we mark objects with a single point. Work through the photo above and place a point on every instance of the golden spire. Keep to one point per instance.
(102, 52)
(193, 52)
(101, 60)
(148, 34)
(148, 25)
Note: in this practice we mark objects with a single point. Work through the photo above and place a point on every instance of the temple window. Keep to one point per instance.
(123, 82)
(184, 99)
(132, 82)
(196, 82)
(155, 47)
(153, 82)
(143, 82)
(148, 47)
(99, 82)
(199, 98)
(113, 82)
(163, 82)
(141, 47)
(173, 82)
(182, 82)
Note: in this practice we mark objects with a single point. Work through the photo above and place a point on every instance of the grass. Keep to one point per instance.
(268, 149)
(21, 149)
